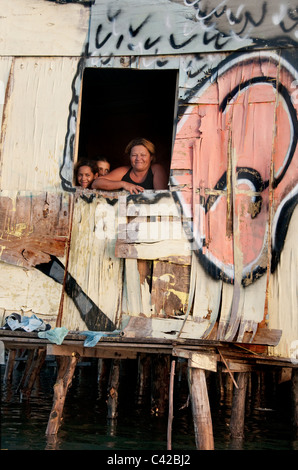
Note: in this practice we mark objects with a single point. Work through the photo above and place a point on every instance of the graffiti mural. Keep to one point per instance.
(242, 145)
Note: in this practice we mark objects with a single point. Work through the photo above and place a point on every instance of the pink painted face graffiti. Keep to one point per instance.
(240, 140)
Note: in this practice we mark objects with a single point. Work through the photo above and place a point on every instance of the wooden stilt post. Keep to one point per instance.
(200, 409)
(238, 407)
(103, 369)
(144, 365)
(9, 365)
(295, 397)
(170, 417)
(30, 357)
(67, 367)
(113, 389)
(160, 383)
(35, 367)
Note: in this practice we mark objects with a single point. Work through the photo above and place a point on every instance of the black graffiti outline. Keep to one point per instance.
(282, 90)
(242, 173)
(91, 314)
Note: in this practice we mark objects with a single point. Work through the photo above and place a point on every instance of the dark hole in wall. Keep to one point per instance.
(121, 104)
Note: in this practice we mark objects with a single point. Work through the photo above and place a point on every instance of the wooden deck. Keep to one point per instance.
(251, 354)
(237, 360)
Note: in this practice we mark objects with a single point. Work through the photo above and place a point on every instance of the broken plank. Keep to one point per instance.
(34, 226)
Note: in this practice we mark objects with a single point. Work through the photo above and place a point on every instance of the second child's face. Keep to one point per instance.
(85, 176)
(103, 168)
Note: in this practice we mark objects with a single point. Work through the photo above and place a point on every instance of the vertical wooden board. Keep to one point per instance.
(225, 310)
(2, 316)
(207, 300)
(136, 289)
(35, 27)
(170, 288)
(253, 309)
(5, 68)
(145, 273)
(36, 122)
(93, 266)
(132, 289)
(283, 301)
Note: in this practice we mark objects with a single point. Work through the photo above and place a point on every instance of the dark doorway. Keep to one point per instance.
(119, 105)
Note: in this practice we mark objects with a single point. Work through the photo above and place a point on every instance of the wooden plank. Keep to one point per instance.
(282, 306)
(151, 227)
(136, 297)
(146, 28)
(170, 287)
(237, 366)
(35, 293)
(206, 361)
(34, 226)
(92, 250)
(5, 72)
(61, 29)
(154, 249)
(207, 298)
(36, 122)
(102, 352)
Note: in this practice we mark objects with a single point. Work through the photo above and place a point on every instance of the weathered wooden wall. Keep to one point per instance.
(233, 179)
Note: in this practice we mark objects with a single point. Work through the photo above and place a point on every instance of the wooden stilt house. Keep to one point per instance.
(191, 271)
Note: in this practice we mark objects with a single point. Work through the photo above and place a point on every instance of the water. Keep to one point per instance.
(85, 424)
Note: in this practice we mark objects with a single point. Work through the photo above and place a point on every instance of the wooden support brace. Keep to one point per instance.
(200, 409)
(9, 365)
(67, 367)
(33, 370)
(200, 360)
(30, 357)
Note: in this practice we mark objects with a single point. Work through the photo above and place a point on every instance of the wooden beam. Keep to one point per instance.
(100, 352)
(202, 360)
(238, 407)
(200, 409)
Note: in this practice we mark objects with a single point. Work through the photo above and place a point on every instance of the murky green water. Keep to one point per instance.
(85, 425)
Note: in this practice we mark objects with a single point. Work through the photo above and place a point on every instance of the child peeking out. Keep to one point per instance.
(103, 166)
(85, 172)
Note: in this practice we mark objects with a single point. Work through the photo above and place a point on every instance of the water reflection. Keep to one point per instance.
(86, 425)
